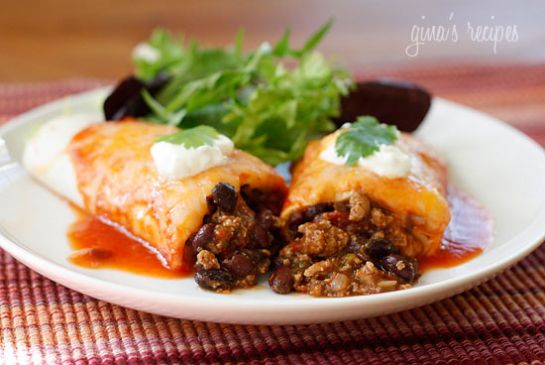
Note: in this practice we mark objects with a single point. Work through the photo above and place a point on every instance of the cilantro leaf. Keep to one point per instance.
(193, 137)
(267, 108)
(363, 138)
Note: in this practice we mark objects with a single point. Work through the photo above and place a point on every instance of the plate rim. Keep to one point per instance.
(532, 233)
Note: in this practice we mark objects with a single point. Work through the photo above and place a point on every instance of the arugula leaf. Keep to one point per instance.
(363, 138)
(283, 49)
(193, 137)
(168, 54)
(266, 107)
(314, 39)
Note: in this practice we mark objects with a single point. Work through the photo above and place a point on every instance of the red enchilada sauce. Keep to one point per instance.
(469, 232)
(100, 245)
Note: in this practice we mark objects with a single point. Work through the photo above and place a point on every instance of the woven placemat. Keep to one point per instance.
(499, 322)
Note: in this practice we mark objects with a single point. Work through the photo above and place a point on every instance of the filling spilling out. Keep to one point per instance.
(238, 239)
(352, 247)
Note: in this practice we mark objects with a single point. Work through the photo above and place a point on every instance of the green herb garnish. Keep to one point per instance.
(363, 138)
(193, 137)
(269, 101)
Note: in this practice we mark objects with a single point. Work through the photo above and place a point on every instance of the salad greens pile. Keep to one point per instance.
(269, 101)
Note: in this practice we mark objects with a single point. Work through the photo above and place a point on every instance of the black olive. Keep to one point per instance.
(225, 197)
(400, 103)
(126, 99)
(281, 280)
(216, 280)
(203, 237)
(404, 267)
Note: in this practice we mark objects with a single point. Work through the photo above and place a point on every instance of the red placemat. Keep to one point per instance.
(501, 321)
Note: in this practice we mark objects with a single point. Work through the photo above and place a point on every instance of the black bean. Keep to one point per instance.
(240, 265)
(210, 204)
(356, 243)
(225, 197)
(377, 248)
(266, 218)
(404, 267)
(314, 210)
(256, 255)
(260, 236)
(353, 227)
(342, 206)
(264, 262)
(252, 197)
(216, 280)
(281, 280)
(203, 237)
(307, 215)
(296, 219)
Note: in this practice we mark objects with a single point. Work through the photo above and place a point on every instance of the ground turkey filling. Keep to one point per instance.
(237, 239)
(341, 249)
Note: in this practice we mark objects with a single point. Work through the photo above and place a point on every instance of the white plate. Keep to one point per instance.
(498, 165)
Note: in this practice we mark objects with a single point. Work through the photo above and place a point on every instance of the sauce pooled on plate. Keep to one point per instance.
(100, 245)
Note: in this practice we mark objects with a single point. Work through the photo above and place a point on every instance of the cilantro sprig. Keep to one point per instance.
(193, 137)
(363, 138)
(269, 101)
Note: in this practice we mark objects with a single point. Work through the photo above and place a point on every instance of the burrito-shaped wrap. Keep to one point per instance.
(223, 216)
(356, 229)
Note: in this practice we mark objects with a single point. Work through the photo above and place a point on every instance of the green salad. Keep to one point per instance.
(270, 101)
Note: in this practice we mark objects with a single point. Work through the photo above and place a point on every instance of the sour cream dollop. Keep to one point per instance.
(175, 161)
(389, 161)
